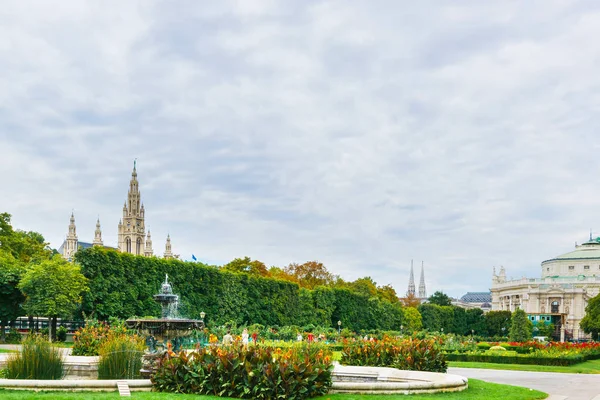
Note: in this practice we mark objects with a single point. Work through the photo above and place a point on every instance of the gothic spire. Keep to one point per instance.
(168, 252)
(148, 252)
(98, 235)
(411, 281)
(422, 290)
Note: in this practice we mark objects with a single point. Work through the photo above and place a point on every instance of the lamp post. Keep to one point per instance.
(442, 331)
(202, 315)
(402, 329)
(472, 333)
(339, 327)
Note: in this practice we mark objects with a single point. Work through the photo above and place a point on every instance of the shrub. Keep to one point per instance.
(409, 354)
(87, 340)
(37, 359)
(257, 372)
(121, 357)
(13, 337)
(483, 346)
(61, 334)
(497, 348)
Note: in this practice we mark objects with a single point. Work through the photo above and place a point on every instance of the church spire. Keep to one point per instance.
(148, 252)
(422, 290)
(98, 234)
(411, 281)
(70, 245)
(132, 231)
(168, 253)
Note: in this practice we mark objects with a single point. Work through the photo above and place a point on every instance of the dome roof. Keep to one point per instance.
(587, 250)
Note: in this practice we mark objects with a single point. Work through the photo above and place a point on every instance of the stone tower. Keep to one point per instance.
(131, 228)
(70, 246)
(98, 235)
(168, 252)
(411, 281)
(422, 290)
(148, 252)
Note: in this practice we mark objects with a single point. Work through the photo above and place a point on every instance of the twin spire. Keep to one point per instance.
(411, 283)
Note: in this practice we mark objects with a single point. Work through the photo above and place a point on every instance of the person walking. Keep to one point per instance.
(227, 339)
(245, 337)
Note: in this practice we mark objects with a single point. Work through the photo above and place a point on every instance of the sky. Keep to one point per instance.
(362, 134)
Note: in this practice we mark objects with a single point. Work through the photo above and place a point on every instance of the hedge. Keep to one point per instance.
(527, 360)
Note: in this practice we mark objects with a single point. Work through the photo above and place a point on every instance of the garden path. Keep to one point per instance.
(560, 386)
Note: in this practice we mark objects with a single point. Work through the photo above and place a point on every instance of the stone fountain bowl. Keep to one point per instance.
(164, 327)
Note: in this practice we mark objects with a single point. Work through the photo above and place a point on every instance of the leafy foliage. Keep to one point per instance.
(521, 328)
(120, 357)
(37, 359)
(409, 354)
(440, 298)
(591, 321)
(257, 372)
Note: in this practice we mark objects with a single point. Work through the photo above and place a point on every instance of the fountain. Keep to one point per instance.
(169, 329)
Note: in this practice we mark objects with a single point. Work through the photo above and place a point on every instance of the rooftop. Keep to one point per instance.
(477, 297)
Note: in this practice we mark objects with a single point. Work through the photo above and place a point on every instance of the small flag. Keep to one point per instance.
(194, 257)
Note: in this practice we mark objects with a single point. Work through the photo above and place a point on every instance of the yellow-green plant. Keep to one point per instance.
(37, 359)
(121, 357)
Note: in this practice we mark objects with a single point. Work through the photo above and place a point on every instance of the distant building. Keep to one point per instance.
(422, 294)
(470, 300)
(132, 236)
(568, 282)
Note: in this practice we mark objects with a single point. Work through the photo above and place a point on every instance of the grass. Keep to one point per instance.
(36, 360)
(6, 351)
(587, 367)
(477, 390)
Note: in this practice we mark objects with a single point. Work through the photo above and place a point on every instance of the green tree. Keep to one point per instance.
(591, 321)
(310, 274)
(412, 320)
(365, 286)
(521, 328)
(246, 265)
(440, 298)
(476, 322)
(52, 288)
(498, 323)
(11, 297)
(24, 246)
(388, 293)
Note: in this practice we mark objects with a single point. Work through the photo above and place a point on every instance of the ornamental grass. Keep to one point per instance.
(121, 357)
(37, 359)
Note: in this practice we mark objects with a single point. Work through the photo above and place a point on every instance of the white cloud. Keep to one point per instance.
(360, 134)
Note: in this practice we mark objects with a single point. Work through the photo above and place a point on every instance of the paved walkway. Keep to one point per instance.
(559, 386)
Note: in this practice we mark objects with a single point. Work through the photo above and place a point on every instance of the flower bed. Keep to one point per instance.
(554, 353)
(408, 354)
(257, 372)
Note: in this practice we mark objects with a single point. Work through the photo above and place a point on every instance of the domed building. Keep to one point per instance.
(560, 296)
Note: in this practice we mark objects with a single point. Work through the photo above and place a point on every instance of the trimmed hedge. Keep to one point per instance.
(526, 360)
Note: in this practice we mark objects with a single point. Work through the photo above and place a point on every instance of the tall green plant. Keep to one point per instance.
(121, 357)
(36, 360)
(521, 328)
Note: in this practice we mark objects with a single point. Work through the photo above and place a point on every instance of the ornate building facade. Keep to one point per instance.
(560, 296)
(132, 236)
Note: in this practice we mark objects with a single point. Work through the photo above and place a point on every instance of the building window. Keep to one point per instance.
(554, 307)
(571, 267)
(586, 267)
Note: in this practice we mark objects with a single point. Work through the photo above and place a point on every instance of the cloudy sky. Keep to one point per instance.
(362, 134)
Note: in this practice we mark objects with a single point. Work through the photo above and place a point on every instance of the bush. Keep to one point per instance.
(483, 346)
(37, 359)
(497, 348)
(61, 334)
(121, 357)
(13, 337)
(87, 340)
(257, 372)
(408, 354)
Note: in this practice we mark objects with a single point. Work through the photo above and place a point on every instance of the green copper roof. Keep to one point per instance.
(588, 250)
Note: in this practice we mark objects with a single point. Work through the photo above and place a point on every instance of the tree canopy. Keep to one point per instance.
(440, 298)
(591, 321)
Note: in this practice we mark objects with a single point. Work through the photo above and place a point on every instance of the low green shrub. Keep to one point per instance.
(121, 357)
(408, 354)
(483, 346)
(497, 348)
(61, 334)
(13, 337)
(37, 359)
(500, 358)
(257, 372)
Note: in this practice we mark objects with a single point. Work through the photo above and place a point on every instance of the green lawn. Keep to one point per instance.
(587, 367)
(6, 351)
(477, 390)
